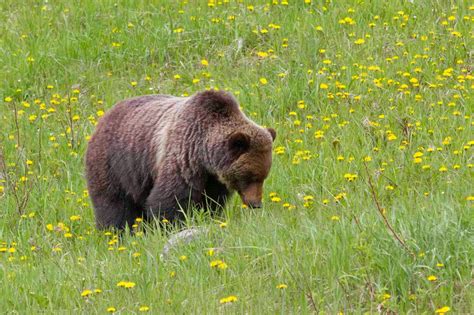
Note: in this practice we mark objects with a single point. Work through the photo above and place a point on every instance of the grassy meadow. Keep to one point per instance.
(369, 207)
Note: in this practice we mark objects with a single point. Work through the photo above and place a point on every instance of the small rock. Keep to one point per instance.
(182, 237)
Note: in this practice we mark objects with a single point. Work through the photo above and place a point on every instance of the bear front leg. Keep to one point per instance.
(114, 211)
(166, 203)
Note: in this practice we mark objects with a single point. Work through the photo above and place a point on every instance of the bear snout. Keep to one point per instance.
(252, 195)
(255, 204)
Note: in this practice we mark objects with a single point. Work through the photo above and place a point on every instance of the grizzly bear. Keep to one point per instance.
(154, 156)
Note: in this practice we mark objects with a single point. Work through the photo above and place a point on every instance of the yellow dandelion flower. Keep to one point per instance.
(86, 293)
(215, 263)
(229, 299)
(443, 310)
(262, 54)
(263, 81)
(447, 140)
(319, 134)
(386, 296)
(275, 199)
(432, 278)
(222, 266)
(126, 284)
(75, 218)
(417, 155)
(359, 41)
(111, 309)
(391, 137)
(279, 150)
(281, 286)
(144, 308)
(350, 177)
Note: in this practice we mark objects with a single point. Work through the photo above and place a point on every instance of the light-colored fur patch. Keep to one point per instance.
(160, 138)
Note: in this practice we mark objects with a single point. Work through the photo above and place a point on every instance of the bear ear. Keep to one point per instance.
(216, 101)
(272, 133)
(239, 143)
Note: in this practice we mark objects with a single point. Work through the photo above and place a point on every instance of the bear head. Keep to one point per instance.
(238, 151)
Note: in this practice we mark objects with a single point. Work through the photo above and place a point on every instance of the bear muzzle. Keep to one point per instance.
(254, 204)
(252, 195)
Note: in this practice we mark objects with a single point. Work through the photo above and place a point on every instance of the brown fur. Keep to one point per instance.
(152, 155)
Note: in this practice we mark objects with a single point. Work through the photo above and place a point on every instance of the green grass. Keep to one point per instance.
(406, 87)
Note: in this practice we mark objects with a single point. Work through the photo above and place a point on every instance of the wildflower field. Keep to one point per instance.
(369, 206)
